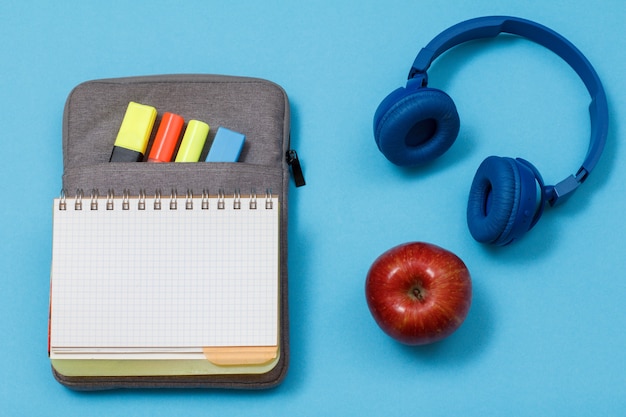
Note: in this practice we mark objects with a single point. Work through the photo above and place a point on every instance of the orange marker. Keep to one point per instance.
(166, 138)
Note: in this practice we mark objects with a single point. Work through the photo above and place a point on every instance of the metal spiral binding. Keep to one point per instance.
(268, 200)
(220, 199)
(78, 204)
(126, 200)
(173, 199)
(189, 200)
(205, 199)
(157, 200)
(62, 200)
(94, 199)
(252, 199)
(237, 200)
(110, 199)
(141, 203)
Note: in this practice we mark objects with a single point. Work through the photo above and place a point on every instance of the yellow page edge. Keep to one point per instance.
(159, 367)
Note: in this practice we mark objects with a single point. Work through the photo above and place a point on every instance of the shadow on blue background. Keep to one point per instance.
(464, 346)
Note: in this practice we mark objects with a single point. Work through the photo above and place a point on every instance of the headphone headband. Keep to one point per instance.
(492, 26)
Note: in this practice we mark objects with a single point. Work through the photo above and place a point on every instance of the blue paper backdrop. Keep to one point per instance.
(545, 334)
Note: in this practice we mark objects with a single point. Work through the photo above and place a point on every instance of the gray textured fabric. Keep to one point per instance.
(94, 111)
(257, 108)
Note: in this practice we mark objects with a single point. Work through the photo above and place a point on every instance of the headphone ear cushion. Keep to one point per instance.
(494, 200)
(413, 127)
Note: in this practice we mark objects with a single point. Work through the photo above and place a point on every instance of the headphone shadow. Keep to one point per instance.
(455, 60)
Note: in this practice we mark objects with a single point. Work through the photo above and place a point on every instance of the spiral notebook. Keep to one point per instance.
(191, 277)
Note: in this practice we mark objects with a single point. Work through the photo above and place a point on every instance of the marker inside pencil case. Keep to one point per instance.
(226, 146)
(166, 138)
(193, 142)
(132, 138)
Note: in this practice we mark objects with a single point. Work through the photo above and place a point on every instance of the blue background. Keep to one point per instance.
(545, 334)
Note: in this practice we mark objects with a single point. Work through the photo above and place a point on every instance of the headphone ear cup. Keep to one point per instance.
(492, 200)
(504, 201)
(413, 127)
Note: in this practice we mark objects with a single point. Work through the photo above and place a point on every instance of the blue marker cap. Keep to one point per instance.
(226, 146)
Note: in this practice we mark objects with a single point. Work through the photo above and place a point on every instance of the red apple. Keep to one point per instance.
(418, 293)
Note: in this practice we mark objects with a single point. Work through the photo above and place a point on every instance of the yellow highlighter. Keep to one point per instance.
(193, 142)
(134, 134)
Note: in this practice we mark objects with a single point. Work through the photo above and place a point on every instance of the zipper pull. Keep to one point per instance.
(296, 169)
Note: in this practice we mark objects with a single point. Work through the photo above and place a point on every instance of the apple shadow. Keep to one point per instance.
(465, 345)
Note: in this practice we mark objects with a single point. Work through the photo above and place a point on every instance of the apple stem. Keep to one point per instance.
(417, 293)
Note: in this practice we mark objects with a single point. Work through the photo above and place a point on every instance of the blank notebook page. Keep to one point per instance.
(168, 278)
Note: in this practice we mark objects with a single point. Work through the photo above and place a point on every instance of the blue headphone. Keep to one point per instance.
(415, 124)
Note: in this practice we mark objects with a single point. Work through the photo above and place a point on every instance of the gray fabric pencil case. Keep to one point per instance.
(255, 107)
